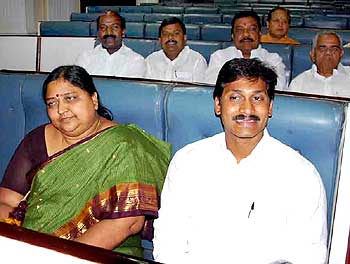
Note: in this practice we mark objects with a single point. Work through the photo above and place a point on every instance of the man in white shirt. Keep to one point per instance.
(327, 75)
(246, 35)
(242, 196)
(111, 57)
(175, 61)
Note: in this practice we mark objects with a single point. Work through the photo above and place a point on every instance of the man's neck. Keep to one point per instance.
(241, 147)
(111, 51)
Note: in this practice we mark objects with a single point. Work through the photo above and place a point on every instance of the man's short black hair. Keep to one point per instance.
(111, 12)
(279, 8)
(170, 21)
(251, 69)
(245, 14)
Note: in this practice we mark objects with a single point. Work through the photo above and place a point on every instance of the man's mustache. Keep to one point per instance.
(246, 118)
(171, 40)
(109, 36)
(246, 39)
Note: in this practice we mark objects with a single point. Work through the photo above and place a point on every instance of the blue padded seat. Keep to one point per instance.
(168, 9)
(324, 22)
(65, 28)
(87, 17)
(101, 9)
(285, 51)
(216, 32)
(135, 29)
(193, 32)
(151, 30)
(201, 10)
(142, 46)
(133, 17)
(190, 117)
(227, 18)
(135, 9)
(302, 62)
(202, 19)
(158, 17)
(206, 48)
(303, 35)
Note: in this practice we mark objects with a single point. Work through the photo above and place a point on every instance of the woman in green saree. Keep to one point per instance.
(82, 176)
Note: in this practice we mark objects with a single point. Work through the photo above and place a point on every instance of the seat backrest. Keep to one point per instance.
(206, 48)
(101, 9)
(151, 30)
(201, 10)
(64, 28)
(217, 32)
(158, 17)
(135, 29)
(142, 46)
(87, 17)
(190, 117)
(303, 35)
(133, 17)
(202, 19)
(168, 9)
(136, 9)
(326, 22)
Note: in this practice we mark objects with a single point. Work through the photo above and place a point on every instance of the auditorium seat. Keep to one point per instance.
(158, 17)
(168, 9)
(303, 35)
(101, 9)
(87, 17)
(227, 18)
(216, 32)
(133, 17)
(142, 46)
(151, 30)
(201, 10)
(323, 22)
(135, 9)
(193, 32)
(202, 19)
(135, 29)
(206, 48)
(64, 28)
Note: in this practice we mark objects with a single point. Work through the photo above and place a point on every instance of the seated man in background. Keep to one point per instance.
(111, 56)
(246, 35)
(176, 61)
(278, 22)
(242, 196)
(327, 75)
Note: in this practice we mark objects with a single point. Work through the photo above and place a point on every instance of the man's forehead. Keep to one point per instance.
(330, 39)
(279, 13)
(242, 83)
(109, 18)
(172, 27)
(246, 21)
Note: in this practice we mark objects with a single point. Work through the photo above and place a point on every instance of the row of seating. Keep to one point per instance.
(307, 21)
(264, 8)
(206, 32)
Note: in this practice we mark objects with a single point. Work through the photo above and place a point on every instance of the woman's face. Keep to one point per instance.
(71, 110)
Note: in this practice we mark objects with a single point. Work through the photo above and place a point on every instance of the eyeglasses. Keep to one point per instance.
(332, 49)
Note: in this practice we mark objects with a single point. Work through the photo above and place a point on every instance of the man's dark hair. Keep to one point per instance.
(279, 8)
(78, 77)
(111, 12)
(170, 21)
(251, 69)
(242, 14)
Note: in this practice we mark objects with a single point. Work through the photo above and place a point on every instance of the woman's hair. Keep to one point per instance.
(78, 77)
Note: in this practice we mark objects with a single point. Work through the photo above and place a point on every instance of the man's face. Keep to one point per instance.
(110, 32)
(173, 40)
(278, 25)
(327, 53)
(246, 35)
(244, 108)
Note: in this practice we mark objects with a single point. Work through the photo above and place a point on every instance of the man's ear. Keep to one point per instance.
(185, 38)
(270, 108)
(217, 106)
(124, 33)
(312, 55)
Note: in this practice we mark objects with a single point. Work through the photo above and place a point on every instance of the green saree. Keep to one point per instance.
(116, 173)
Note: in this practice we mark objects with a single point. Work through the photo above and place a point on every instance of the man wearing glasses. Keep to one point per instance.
(327, 75)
